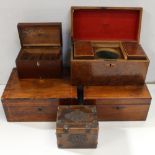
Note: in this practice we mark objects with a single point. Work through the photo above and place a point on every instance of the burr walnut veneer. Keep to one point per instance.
(41, 50)
(36, 99)
(105, 46)
(77, 127)
(119, 103)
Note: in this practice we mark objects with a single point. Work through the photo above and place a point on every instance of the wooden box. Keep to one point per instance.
(36, 99)
(106, 48)
(77, 127)
(119, 103)
(41, 50)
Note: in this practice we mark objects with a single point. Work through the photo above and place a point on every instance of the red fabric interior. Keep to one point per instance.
(106, 24)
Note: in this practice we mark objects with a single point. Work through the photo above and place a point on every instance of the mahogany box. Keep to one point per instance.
(77, 127)
(36, 99)
(105, 46)
(41, 50)
(119, 103)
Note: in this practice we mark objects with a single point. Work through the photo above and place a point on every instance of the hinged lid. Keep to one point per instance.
(106, 23)
(77, 119)
(40, 34)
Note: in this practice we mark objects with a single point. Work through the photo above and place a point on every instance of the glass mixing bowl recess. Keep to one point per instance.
(107, 53)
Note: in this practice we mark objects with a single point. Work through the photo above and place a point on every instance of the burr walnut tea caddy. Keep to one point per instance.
(41, 50)
(105, 46)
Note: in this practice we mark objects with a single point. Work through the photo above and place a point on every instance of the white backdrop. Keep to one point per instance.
(12, 12)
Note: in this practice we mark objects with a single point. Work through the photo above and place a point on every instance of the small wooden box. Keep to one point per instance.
(106, 48)
(77, 127)
(119, 103)
(36, 99)
(41, 50)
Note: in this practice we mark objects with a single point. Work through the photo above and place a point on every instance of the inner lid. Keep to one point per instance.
(121, 24)
(40, 34)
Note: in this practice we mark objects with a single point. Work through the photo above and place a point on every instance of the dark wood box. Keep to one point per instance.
(36, 99)
(77, 127)
(41, 50)
(106, 48)
(119, 103)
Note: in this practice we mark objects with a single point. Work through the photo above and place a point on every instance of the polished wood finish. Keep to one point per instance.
(119, 103)
(41, 50)
(40, 34)
(131, 67)
(36, 99)
(83, 50)
(77, 127)
(134, 51)
(110, 72)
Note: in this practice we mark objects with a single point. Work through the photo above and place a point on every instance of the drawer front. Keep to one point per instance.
(122, 112)
(33, 110)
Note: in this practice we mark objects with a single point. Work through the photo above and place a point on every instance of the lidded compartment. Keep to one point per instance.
(105, 24)
(77, 126)
(41, 52)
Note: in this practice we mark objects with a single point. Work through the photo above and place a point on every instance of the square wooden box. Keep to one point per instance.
(41, 50)
(36, 99)
(77, 127)
(105, 46)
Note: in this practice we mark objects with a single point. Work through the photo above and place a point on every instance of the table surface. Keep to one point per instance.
(119, 138)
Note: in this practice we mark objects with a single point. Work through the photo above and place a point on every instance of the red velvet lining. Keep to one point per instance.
(103, 24)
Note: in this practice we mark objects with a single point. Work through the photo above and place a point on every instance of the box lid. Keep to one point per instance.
(39, 89)
(40, 34)
(77, 119)
(106, 23)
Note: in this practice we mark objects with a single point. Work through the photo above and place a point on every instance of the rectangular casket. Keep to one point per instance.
(36, 99)
(119, 103)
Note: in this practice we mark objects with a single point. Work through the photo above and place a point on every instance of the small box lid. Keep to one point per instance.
(40, 34)
(106, 23)
(77, 119)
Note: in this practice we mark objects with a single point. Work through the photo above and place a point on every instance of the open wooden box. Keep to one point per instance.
(106, 49)
(41, 50)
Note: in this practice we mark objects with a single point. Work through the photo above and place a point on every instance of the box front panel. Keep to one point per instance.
(70, 140)
(50, 69)
(40, 69)
(24, 110)
(101, 72)
(120, 112)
